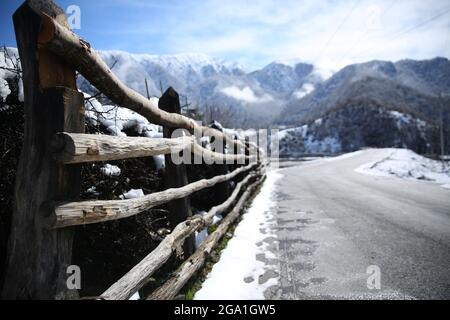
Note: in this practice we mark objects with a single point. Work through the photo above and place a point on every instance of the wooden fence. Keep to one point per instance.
(49, 173)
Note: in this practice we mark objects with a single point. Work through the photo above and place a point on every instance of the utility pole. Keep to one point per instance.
(442, 136)
(146, 88)
(441, 125)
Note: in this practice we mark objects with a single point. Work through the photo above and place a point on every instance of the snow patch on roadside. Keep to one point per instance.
(406, 164)
(344, 156)
(238, 260)
(305, 139)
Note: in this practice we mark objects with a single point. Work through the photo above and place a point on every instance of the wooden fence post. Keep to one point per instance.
(175, 175)
(221, 190)
(247, 149)
(38, 256)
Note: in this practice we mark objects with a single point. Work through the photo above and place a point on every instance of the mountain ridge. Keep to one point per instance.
(403, 73)
(373, 104)
(204, 80)
(285, 93)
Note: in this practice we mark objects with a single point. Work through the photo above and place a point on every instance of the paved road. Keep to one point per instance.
(332, 223)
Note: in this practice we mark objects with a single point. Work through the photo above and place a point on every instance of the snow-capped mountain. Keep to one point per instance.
(179, 71)
(243, 99)
(253, 98)
(280, 78)
(407, 84)
(360, 106)
(357, 106)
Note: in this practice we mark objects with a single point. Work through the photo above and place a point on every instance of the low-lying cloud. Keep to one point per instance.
(304, 90)
(246, 95)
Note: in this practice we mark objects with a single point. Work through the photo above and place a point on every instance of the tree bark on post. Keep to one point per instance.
(175, 175)
(221, 190)
(37, 255)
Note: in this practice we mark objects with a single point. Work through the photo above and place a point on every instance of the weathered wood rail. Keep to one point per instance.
(48, 178)
(79, 148)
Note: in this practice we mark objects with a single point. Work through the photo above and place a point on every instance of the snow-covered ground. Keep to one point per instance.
(117, 119)
(110, 170)
(7, 61)
(237, 274)
(132, 194)
(404, 163)
(304, 138)
(343, 156)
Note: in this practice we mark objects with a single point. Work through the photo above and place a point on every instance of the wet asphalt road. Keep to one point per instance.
(333, 223)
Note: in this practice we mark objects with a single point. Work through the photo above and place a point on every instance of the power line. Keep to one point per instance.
(407, 30)
(363, 36)
(421, 24)
(447, 43)
(339, 27)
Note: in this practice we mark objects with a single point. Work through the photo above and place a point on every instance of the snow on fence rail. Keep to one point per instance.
(49, 173)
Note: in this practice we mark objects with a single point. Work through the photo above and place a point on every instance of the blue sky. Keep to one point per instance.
(255, 33)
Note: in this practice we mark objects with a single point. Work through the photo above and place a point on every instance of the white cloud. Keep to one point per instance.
(268, 30)
(246, 94)
(327, 33)
(304, 90)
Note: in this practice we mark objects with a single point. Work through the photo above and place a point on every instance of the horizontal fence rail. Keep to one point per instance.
(88, 62)
(179, 278)
(137, 277)
(56, 147)
(86, 212)
(79, 148)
